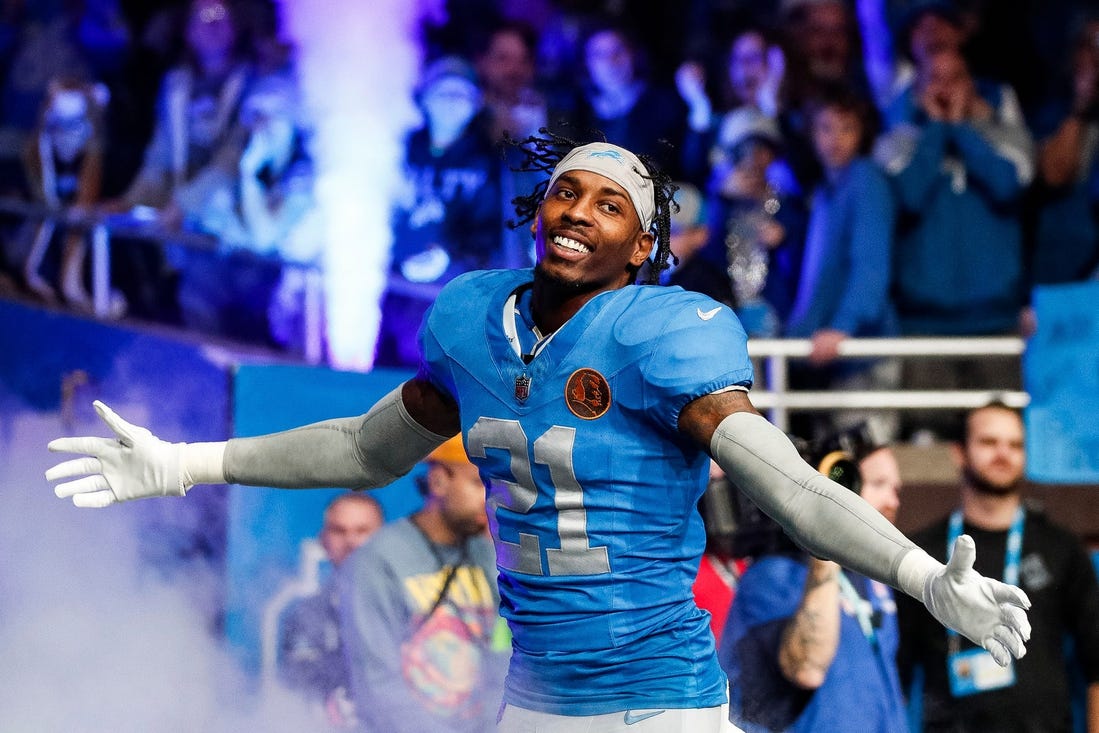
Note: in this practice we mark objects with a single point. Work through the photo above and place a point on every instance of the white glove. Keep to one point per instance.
(136, 465)
(985, 611)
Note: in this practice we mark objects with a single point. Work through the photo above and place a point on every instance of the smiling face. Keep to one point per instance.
(587, 234)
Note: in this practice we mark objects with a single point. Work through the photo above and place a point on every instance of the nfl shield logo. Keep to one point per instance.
(522, 387)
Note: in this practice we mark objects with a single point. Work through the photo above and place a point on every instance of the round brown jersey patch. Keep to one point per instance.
(587, 394)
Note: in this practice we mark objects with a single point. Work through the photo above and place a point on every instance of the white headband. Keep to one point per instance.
(617, 164)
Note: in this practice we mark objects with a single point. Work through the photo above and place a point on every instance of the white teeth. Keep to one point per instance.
(570, 244)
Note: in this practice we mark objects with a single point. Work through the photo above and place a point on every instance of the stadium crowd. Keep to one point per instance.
(865, 168)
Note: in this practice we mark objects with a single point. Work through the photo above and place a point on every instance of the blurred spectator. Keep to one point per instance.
(823, 43)
(928, 27)
(448, 219)
(809, 646)
(1066, 247)
(517, 108)
(505, 66)
(823, 46)
(960, 160)
(960, 163)
(310, 654)
(690, 232)
(196, 113)
(963, 689)
(755, 70)
(64, 166)
(264, 218)
(45, 40)
(195, 118)
(757, 230)
(843, 288)
(419, 611)
(754, 74)
(621, 101)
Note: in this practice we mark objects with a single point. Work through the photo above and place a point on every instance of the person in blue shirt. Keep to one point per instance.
(809, 646)
(592, 407)
(960, 158)
(843, 287)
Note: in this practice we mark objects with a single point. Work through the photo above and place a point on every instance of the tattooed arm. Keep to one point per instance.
(812, 634)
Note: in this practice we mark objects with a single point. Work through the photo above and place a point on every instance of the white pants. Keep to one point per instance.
(645, 720)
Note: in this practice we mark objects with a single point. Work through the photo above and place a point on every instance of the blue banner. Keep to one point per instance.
(1061, 374)
(267, 526)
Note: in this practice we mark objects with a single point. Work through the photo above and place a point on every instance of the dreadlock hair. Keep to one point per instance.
(542, 153)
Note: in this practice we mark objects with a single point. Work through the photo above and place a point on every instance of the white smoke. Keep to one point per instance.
(358, 64)
(91, 641)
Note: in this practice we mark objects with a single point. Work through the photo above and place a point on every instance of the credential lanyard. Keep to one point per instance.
(1012, 554)
(864, 611)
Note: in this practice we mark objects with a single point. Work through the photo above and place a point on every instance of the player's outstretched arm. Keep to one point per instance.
(361, 452)
(834, 523)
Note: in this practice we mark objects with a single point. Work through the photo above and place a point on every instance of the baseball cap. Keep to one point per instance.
(445, 68)
(747, 123)
(452, 451)
(691, 211)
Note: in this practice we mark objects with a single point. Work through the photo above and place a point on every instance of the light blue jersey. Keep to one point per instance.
(592, 503)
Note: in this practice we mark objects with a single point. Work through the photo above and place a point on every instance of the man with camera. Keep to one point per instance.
(809, 646)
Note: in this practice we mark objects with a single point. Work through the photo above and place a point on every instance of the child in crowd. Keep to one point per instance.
(843, 286)
(757, 227)
(64, 167)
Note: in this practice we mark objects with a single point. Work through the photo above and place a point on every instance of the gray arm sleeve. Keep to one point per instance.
(362, 452)
(825, 518)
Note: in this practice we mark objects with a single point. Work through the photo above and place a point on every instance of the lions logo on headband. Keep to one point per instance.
(612, 154)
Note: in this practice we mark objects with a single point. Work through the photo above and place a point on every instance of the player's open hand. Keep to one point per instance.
(985, 611)
(135, 464)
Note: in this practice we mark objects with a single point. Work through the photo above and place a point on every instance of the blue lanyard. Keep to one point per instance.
(864, 610)
(1012, 554)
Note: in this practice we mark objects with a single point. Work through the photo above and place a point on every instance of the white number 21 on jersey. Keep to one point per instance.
(573, 555)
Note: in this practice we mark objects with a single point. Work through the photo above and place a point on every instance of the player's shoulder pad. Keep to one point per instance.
(461, 304)
(480, 284)
(656, 310)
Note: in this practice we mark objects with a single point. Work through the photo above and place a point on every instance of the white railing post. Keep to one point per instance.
(101, 271)
(778, 382)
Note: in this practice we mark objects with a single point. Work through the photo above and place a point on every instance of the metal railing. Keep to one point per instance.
(778, 400)
(773, 394)
(102, 228)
